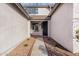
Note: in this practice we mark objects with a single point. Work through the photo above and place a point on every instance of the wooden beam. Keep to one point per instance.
(54, 9)
(39, 17)
(22, 9)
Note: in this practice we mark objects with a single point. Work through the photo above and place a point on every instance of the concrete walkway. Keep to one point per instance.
(39, 48)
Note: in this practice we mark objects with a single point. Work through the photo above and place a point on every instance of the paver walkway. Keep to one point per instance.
(39, 48)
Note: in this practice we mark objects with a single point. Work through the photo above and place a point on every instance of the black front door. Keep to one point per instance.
(45, 28)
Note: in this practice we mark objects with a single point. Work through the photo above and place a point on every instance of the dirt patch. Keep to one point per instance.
(24, 49)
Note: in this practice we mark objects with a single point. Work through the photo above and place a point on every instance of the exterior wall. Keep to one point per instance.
(13, 27)
(61, 26)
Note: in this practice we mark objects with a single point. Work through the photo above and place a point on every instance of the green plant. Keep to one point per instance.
(77, 33)
(77, 36)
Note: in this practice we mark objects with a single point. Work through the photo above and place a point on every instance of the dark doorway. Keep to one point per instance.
(45, 28)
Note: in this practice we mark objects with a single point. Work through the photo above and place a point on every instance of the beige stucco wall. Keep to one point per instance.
(14, 27)
(61, 26)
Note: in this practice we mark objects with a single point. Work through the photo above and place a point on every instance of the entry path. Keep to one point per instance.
(39, 48)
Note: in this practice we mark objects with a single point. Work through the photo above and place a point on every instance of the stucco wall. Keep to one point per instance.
(61, 26)
(13, 27)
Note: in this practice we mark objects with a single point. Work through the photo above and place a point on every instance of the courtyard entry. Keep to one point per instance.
(39, 28)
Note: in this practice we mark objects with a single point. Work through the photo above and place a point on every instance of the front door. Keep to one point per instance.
(45, 28)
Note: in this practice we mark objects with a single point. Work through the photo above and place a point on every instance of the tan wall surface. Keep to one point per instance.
(13, 27)
(61, 26)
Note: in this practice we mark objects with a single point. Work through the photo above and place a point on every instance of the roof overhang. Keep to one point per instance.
(54, 9)
(22, 9)
(39, 17)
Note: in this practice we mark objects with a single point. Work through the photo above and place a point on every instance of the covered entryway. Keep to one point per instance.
(27, 19)
(39, 28)
(36, 28)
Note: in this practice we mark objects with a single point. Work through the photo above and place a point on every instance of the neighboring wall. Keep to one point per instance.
(14, 27)
(61, 26)
(75, 27)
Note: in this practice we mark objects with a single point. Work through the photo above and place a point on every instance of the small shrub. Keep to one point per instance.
(25, 45)
(77, 31)
(28, 39)
(77, 34)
